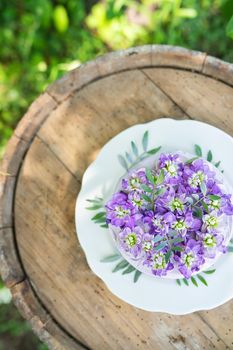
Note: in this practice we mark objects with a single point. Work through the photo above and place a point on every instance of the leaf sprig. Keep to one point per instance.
(195, 279)
(100, 217)
(209, 157)
(123, 266)
(130, 159)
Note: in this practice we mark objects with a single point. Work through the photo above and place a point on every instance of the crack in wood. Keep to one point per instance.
(211, 328)
(59, 159)
(167, 95)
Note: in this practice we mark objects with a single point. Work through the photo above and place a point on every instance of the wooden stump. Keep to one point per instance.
(60, 135)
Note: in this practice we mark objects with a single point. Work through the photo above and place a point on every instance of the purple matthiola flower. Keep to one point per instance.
(190, 259)
(157, 262)
(221, 204)
(161, 224)
(131, 240)
(197, 173)
(226, 205)
(137, 200)
(134, 181)
(172, 166)
(186, 222)
(212, 243)
(121, 212)
(147, 242)
(190, 207)
(173, 201)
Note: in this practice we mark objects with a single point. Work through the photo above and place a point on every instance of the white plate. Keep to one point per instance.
(100, 179)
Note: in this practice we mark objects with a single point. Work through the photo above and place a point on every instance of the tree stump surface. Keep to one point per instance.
(60, 135)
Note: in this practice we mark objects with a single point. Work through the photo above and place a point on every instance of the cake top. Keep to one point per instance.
(173, 216)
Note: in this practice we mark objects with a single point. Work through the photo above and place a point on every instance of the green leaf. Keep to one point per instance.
(147, 199)
(100, 221)
(160, 178)
(160, 191)
(99, 215)
(176, 240)
(203, 188)
(198, 212)
(134, 148)
(178, 282)
(209, 272)
(60, 18)
(145, 140)
(229, 28)
(189, 200)
(177, 249)
(167, 256)
(205, 206)
(191, 160)
(111, 258)
(186, 12)
(185, 281)
(128, 157)
(230, 249)
(160, 246)
(201, 278)
(123, 162)
(158, 238)
(104, 226)
(198, 150)
(195, 196)
(96, 201)
(137, 275)
(121, 265)
(209, 156)
(146, 188)
(194, 281)
(213, 197)
(154, 150)
(129, 269)
(95, 207)
(217, 164)
(149, 176)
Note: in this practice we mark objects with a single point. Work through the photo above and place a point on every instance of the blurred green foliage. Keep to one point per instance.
(42, 39)
(15, 333)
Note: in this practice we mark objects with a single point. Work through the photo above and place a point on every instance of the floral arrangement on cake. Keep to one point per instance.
(170, 215)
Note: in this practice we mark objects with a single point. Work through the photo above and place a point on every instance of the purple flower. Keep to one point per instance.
(136, 199)
(131, 240)
(173, 201)
(134, 181)
(147, 242)
(212, 243)
(210, 221)
(157, 262)
(175, 222)
(162, 223)
(190, 259)
(172, 165)
(120, 211)
(186, 222)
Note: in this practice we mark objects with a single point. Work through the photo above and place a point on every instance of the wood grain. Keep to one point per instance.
(84, 123)
(53, 243)
(200, 97)
(61, 134)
